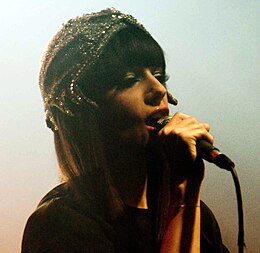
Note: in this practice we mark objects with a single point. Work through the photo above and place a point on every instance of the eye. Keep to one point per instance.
(130, 75)
(161, 77)
(130, 79)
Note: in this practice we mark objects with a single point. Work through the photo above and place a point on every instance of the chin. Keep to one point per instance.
(137, 139)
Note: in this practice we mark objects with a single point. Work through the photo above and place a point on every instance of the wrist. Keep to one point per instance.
(186, 206)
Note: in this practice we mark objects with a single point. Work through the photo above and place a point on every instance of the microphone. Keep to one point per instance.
(204, 149)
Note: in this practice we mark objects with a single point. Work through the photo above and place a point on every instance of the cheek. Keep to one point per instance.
(125, 123)
(136, 135)
(125, 116)
(128, 109)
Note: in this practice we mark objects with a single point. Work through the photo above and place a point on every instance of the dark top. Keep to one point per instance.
(62, 224)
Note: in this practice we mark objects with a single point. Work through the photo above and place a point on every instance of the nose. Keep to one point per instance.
(157, 92)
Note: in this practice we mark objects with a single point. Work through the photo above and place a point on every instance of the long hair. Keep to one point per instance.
(78, 142)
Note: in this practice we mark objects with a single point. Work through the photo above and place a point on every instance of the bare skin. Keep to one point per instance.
(127, 111)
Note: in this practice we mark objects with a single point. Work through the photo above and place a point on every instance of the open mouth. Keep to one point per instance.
(157, 122)
(152, 123)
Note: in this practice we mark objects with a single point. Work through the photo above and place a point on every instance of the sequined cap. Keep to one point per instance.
(76, 47)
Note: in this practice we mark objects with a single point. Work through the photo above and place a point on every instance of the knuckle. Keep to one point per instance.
(193, 119)
(203, 131)
(178, 114)
(201, 126)
(169, 131)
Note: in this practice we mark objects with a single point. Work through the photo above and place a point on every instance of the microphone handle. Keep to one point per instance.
(204, 149)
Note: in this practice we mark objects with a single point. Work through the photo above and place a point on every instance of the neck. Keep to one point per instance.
(139, 199)
(129, 172)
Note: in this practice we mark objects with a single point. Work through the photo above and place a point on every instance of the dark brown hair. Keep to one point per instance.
(78, 141)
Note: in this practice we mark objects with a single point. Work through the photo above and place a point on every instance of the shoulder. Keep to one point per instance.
(60, 222)
(211, 240)
(207, 217)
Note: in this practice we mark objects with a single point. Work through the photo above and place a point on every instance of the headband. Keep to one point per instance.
(72, 51)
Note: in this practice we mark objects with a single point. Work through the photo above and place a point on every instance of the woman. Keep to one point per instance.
(128, 186)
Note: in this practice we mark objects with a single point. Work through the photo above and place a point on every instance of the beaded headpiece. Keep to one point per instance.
(76, 47)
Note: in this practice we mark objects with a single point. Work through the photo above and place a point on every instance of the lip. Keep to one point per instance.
(150, 128)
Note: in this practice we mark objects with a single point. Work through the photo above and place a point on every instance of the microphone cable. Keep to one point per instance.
(240, 241)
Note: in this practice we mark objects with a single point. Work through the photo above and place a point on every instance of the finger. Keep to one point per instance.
(176, 120)
(200, 132)
(182, 120)
(180, 123)
(179, 116)
(187, 127)
(186, 120)
(207, 126)
(205, 135)
(203, 132)
(188, 130)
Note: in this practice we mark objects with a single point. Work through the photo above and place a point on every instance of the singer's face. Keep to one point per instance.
(131, 106)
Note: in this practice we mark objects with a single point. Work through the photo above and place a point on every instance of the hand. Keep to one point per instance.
(178, 141)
